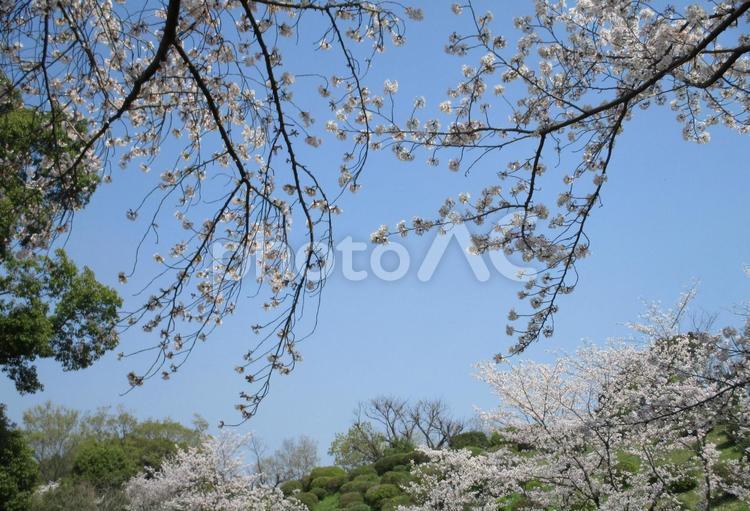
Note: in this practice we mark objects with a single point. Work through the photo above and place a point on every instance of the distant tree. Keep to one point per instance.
(615, 427)
(294, 459)
(67, 496)
(103, 464)
(18, 471)
(360, 445)
(53, 432)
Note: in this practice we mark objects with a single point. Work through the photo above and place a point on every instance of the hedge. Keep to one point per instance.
(469, 439)
(350, 498)
(361, 471)
(308, 499)
(380, 492)
(397, 478)
(393, 503)
(290, 487)
(330, 484)
(327, 472)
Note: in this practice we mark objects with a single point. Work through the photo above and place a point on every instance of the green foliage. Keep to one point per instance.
(67, 496)
(52, 432)
(289, 487)
(388, 463)
(360, 445)
(393, 503)
(50, 309)
(469, 439)
(627, 463)
(308, 499)
(360, 506)
(319, 492)
(683, 485)
(363, 470)
(398, 446)
(18, 471)
(38, 183)
(360, 484)
(330, 503)
(327, 472)
(347, 499)
(399, 478)
(375, 495)
(330, 484)
(103, 464)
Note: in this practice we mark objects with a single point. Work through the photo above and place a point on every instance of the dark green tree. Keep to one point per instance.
(18, 470)
(48, 307)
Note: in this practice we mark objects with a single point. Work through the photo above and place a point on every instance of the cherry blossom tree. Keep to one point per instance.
(563, 93)
(210, 477)
(211, 79)
(217, 81)
(599, 429)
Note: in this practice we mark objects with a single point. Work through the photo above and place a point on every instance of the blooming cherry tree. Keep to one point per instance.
(619, 427)
(210, 477)
(217, 83)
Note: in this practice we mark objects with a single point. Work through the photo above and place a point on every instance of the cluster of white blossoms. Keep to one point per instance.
(209, 80)
(599, 429)
(209, 477)
(577, 73)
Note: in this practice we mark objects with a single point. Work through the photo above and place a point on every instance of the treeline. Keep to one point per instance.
(62, 459)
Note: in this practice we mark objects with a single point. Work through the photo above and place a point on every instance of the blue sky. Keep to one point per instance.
(673, 212)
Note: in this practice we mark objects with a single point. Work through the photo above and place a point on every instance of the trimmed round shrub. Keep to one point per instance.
(326, 472)
(469, 439)
(308, 499)
(330, 484)
(347, 499)
(393, 503)
(361, 484)
(290, 487)
(362, 471)
(319, 492)
(388, 463)
(361, 506)
(380, 492)
(401, 468)
(399, 478)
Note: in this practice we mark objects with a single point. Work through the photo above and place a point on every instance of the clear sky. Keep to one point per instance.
(673, 212)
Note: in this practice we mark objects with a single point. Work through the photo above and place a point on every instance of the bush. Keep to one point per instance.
(393, 503)
(388, 463)
(326, 472)
(362, 471)
(290, 487)
(397, 478)
(360, 484)
(469, 439)
(330, 484)
(103, 464)
(350, 498)
(361, 506)
(380, 492)
(308, 499)
(319, 492)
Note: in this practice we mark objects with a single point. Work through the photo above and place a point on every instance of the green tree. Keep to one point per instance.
(18, 471)
(48, 307)
(360, 445)
(53, 432)
(103, 464)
